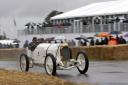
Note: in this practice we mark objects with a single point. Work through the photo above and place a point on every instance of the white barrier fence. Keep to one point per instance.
(69, 29)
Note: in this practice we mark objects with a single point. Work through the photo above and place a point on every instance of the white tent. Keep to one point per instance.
(7, 41)
(97, 9)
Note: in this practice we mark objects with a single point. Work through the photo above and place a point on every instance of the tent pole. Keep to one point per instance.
(114, 26)
(109, 27)
(118, 26)
(101, 24)
(93, 27)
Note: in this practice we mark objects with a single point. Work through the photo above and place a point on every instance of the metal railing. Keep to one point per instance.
(69, 29)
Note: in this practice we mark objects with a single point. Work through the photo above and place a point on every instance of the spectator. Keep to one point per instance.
(8, 46)
(102, 41)
(79, 43)
(105, 40)
(97, 42)
(0, 45)
(5, 46)
(26, 44)
(118, 39)
(92, 42)
(112, 41)
(122, 40)
(11, 46)
(17, 45)
(42, 40)
(71, 43)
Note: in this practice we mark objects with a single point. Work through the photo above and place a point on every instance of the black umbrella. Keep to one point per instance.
(80, 38)
(126, 35)
(16, 41)
(115, 32)
(90, 38)
(28, 24)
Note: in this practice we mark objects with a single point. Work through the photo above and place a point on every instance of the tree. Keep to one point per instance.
(51, 14)
(47, 22)
(30, 26)
(3, 37)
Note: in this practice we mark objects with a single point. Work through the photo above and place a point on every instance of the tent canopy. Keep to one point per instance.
(97, 9)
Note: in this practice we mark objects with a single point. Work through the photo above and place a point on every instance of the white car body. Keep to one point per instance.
(39, 54)
(53, 57)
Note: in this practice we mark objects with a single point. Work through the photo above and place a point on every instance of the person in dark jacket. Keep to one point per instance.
(92, 42)
(26, 44)
(122, 40)
(102, 41)
(97, 42)
(33, 44)
(106, 41)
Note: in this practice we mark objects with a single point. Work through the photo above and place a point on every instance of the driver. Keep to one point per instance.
(33, 44)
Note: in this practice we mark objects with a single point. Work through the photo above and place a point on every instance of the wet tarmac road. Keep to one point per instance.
(100, 73)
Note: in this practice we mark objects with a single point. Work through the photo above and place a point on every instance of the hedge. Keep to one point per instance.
(116, 52)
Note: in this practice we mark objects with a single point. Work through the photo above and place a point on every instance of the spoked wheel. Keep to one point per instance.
(24, 63)
(50, 64)
(83, 62)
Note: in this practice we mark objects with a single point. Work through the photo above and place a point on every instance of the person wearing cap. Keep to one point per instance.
(33, 44)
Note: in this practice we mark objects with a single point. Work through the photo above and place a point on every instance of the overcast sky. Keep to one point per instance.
(33, 10)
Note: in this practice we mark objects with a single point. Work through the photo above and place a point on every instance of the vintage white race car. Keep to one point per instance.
(57, 56)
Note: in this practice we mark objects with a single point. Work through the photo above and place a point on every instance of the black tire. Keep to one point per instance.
(85, 69)
(53, 63)
(26, 69)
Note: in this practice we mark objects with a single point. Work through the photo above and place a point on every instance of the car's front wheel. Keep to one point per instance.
(50, 64)
(24, 63)
(83, 62)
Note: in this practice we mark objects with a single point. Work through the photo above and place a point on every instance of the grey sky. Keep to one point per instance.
(25, 8)
(32, 10)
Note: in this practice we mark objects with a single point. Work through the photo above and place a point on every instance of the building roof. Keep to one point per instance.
(97, 9)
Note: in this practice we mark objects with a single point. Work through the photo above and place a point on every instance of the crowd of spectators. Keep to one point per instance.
(82, 42)
(104, 41)
(111, 41)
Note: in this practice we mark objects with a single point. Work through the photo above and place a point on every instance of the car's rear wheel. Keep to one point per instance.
(50, 64)
(83, 62)
(24, 63)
